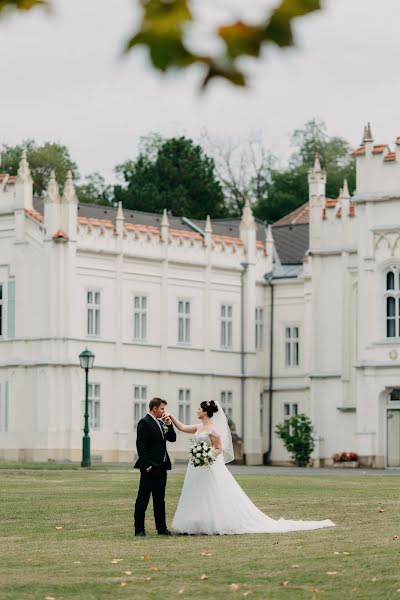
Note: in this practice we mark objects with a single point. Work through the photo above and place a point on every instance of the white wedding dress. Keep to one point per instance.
(213, 503)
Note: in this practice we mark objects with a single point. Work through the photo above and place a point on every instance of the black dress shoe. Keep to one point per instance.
(164, 532)
(140, 534)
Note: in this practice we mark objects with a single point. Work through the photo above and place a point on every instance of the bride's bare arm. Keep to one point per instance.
(217, 444)
(181, 426)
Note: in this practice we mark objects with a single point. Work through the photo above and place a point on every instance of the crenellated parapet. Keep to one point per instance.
(377, 169)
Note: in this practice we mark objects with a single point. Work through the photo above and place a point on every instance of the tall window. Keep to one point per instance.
(183, 321)
(11, 309)
(184, 410)
(289, 410)
(139, 403)
(94, 405)
(261, 413)
(259, 321)
(227, 403)
(93, 312)
(291, 346)
(140, 318)
(226, 325)
(392, 299)
(4, 407)
(1, 311)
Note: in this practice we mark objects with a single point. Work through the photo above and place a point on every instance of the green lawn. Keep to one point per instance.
(67, 535)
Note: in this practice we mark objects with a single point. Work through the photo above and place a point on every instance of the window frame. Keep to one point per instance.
(291, 346)
(95, 309)
(142, 317)
(392, 294)
(184, 318)
(259, 328)
(184, 405)
(226, 326)
(94, 400)
(141, 402)
(226, 401)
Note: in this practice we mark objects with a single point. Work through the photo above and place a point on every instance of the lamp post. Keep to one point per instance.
(244, 266)
(86, 359)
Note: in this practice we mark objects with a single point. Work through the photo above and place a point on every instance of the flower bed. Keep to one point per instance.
(346, 460)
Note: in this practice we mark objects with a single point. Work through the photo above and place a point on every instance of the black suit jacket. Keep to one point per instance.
(152, 445)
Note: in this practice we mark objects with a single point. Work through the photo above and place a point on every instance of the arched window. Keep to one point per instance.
(392, 299)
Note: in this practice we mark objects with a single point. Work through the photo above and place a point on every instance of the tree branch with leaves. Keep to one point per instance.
(165, 27)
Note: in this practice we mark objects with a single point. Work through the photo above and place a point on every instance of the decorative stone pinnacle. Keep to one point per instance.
(368, 133)
(120, 212)
(69, 194)
(247, 215)
(317, 164)
(208, 228)
(52, 193)
(345, 190)
(164, 220)
(24, 173)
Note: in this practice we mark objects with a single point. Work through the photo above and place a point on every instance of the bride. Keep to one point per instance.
(212, 502)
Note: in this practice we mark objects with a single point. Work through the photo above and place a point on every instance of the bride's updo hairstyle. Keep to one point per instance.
(209, 407)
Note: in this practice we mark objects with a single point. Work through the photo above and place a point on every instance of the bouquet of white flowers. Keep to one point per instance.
(201, 454)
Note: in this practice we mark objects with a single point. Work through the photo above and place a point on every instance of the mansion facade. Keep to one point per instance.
(303, 316)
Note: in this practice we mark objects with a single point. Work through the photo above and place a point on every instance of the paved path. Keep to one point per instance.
(241, 470)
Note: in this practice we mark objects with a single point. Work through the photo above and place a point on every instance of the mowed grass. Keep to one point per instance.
(68, 535)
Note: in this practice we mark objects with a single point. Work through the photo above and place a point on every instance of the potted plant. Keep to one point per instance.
(347, 460)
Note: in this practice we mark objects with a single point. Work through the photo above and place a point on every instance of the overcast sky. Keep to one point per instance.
(63, 79)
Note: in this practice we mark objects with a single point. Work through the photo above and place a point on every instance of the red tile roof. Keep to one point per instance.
(34, 214)
(10, 180)
(390, 156)
(60, 235)
(299, 216)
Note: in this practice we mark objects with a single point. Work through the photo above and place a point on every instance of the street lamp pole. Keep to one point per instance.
(86, 437)
(86, 359)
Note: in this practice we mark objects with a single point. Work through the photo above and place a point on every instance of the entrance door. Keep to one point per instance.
(393, 437)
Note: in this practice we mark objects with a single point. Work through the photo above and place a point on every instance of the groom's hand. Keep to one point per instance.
(167, 419)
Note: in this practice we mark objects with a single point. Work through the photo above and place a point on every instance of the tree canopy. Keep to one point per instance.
(168, 26)
(42, 160)
(175, 174)
(282, 190)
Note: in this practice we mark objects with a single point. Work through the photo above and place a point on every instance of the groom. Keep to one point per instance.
(153, 432)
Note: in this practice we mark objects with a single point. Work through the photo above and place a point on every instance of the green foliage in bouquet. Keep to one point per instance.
(297, 436)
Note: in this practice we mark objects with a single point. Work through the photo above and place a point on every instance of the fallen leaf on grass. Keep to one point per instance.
(181, 591)
(247, 593)
(295, 566)
(347, 553)
(146, 556)
(77, 562)
(124, 583)
(285, 583)
(336, 553)
(153, 568)
(127, 572)
(299, 547)
(59, 527)
(147, 578)
(49, 598)
(206, 553)
(374, 579)
(115, 561)
(204, 577)
(234, 587)
(331, 572)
